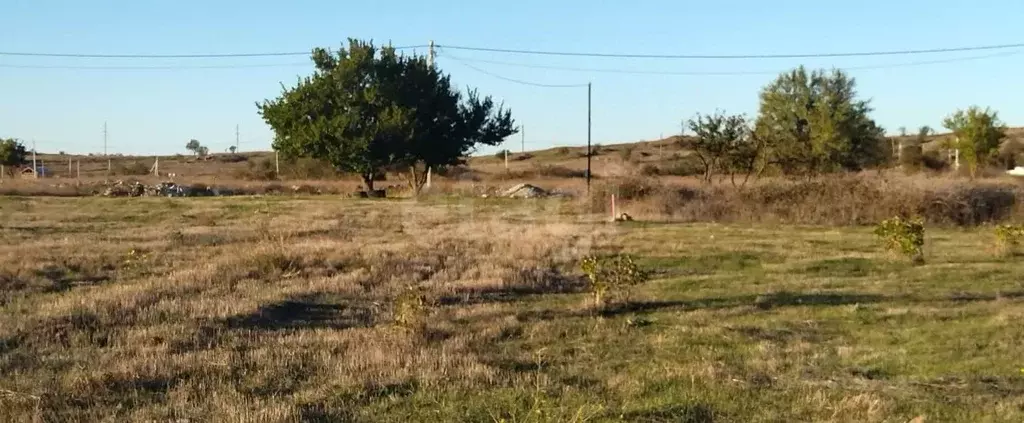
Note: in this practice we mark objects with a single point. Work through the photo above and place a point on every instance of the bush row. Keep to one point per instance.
(834, 200)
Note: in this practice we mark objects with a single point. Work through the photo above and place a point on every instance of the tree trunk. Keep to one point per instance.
(368, 181)
(417, 179)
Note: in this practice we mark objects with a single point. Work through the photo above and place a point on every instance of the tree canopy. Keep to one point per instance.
(193, 146)
(12, 153)
(813, 122)
(724, 143)
(365, 109)
(977, 133)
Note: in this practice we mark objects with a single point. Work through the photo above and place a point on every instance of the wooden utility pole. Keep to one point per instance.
(109, 167)
(522, 139)
(589, 152)
(35, 169)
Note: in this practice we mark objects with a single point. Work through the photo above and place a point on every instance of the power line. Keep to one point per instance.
(517, 81)
(174, 56)
(737, 56)
(167, 67)
(728, 73)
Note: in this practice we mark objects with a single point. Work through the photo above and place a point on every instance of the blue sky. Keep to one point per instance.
(156, 111)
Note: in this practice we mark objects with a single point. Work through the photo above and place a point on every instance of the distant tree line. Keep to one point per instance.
(810, 123)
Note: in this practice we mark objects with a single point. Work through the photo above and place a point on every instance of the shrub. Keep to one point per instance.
(564, 151)
(1008, 239)
(524, 156)
(231, 158)
(611, 277)
(308, 168)
(501, 154)
(557, 171)
(650, 170)
(627, 153)
(410, 307)
(683, 166)
(903, 236)
(133, 169)
(911, 158)
(933, 160)
(260, 170)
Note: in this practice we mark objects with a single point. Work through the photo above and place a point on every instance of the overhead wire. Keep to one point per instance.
(735, 56)
(167, 67)
(174, 56)
(517, 81)
(726, 73)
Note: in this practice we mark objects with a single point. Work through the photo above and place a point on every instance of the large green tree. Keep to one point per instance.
(813, 122)
(365, 109)
(12, 153)
(977, 133)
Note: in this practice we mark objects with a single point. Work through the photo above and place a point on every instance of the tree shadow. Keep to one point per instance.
(63, 278)
(763, 302)
(520, 284)
(687, 413)
(306, 312)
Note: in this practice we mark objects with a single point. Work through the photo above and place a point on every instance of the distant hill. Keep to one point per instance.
(609, 158)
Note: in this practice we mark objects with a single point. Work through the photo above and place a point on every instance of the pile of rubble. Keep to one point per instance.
(163, 189)
(530, 191)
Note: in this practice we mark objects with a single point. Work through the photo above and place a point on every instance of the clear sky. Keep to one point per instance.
(156, 111)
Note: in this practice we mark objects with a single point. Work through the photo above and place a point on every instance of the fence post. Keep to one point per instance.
(613, 208)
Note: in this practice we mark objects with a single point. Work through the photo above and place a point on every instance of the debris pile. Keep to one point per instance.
(163, 189)
(122, 189)
(530, 191)
(525, 191)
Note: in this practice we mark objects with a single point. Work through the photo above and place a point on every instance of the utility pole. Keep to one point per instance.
(35, 169)
(522, 132)
(236, 137)
(430, 54)
(105, 146)
(589, 152)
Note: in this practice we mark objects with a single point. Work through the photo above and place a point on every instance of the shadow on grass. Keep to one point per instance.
(518, 285)
(711, 263)
(306, 312)
(67, 276)
(850, 267)
(764, 302)
(688, 413)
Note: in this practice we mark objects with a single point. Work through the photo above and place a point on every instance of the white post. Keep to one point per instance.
(1, 172)
(506, 159)
(156, 167)
(277, 164)
(35, 169)
(78, 169)
(69, 167)
(427, 185)
(614, 216)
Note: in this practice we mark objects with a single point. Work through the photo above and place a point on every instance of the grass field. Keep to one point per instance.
(281, 309)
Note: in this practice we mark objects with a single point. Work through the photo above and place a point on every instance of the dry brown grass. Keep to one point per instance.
(281, 309)
(830, 200)
(160, 308)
